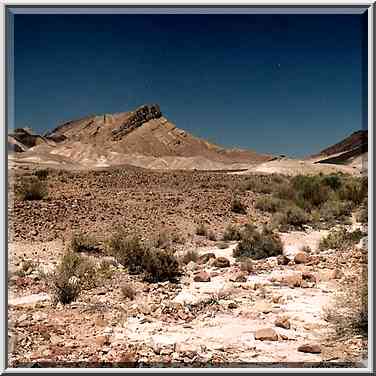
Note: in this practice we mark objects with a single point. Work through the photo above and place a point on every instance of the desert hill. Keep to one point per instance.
(143, 138)
(352, 151)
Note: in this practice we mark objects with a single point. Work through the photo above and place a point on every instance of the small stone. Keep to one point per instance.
(282, 322)
(102, 340)
(201, 276)
(221, 262)
(266, 334)
(161, 343)
(232, 305)
(301, 258)
(282, 260)
(310, 348)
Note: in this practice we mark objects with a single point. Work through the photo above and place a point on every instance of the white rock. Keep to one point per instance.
(29, 299)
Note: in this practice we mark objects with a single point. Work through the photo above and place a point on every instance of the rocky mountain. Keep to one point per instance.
(143, 137)
(353, 150)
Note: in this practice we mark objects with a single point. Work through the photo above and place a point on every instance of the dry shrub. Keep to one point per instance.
(128, 291)
(26, 268)
(231, 232)
(160, 265)
(72, 275)
(42, 174)
(237, 206)
(211, 236)
(258, 245)
(269, 204)
(129, 251)
(191, 255)
(163, 239)
(349, 312)
(31, 188)
(201, 229)
(292, 215)
(246, 265)
(83, 243)
(341, 239)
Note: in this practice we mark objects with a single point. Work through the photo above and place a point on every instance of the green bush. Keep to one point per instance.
(332, 181)
(353, 190)
(258, 245)
(31, 188)
(334, 209)
(311, 190)
(231, 232)
(258, 184)
(295, 216)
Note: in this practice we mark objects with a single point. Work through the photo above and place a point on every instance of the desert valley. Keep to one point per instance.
(133, 243)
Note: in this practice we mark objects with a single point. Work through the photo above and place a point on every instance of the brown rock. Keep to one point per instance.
(282, 322)
(310, 348)
(301, 258)
(239, 277)
(102, 340)
(202, 276)
(221, 262)
(232, 305)
(309, 276)
(266, 334)
(282, 260)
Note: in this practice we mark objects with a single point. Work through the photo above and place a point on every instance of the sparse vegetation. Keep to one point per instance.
(231, 232)
(42, 174)
(202, 229)
(26, 268)
(160, 265)
(222, 245)
(83, 243)
(246, 265)
(341, 239)
(31, 188)
(294, 216)
(349, 313)
(211, 236)
(237, 206)
(128, 291)
(258, 245)
(269, 203)
(188, 256)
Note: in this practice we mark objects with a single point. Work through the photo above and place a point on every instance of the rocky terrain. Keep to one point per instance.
(217, 314)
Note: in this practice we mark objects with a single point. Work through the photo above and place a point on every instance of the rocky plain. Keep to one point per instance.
(223, 308)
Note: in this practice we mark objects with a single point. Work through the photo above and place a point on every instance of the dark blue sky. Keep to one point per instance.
(282, 84)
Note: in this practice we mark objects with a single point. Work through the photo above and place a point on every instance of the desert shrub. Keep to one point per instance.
(188, 256)
(222, 245)
(269, 204)
(258, 184)
(362, 215)
(128, 291)
(258, 245)
(41, 174)
(353, 190)
(293, 215)
(341, 239)
(83, 243)
(349, 312)
(31, 188)
(231, 232)
(127, 250)
(26, 268)
(162, 240)
(246, 265)
(237, 206)
(307, 249)
(201, 229)
(160, 265)
(311, 190)
(72, 274)
(334, 209)
(332, 181)
(211, 236)
(285, 191)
